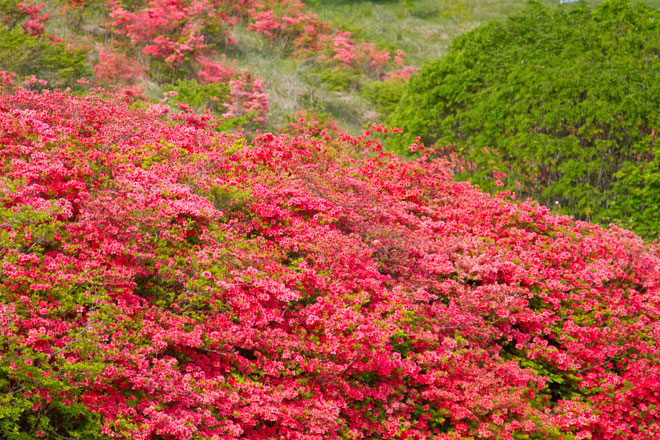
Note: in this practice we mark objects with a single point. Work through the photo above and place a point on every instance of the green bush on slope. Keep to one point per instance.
(200, 97)
(564, 101)
(384, 95)
(24, 54)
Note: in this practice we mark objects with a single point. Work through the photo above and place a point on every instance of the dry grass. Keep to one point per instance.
(293, 86)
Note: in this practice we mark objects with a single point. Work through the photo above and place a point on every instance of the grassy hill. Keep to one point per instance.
(422, 29)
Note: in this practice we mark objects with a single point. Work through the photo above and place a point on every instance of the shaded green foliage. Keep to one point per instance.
(385, 95)
(200, 97)
(24, 54)
(564, 101)
(337, 78)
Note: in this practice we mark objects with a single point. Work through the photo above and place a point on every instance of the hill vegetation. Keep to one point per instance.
(171, 271)
(202, 49)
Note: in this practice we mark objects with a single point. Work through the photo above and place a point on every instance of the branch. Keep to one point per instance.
(75, 339)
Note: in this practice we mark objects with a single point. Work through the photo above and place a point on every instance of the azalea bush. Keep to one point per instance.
(30, 16)
(561, 102)
(162, 280)
(115, 67)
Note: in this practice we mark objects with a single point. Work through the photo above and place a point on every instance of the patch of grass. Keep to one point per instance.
(294, 85)
(425, 28)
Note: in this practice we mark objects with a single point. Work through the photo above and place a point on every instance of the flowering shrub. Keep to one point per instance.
(402, 75)
(116, 68)
(247, 97)
(172, 20)
(29, 15)
(173, 33)
(212, 71)
(159, 280)
(289, 21)
(312, 124)
(35, 18)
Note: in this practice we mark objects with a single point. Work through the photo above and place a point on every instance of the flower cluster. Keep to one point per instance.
(30, 16)
(34, 25)
(176, 33)
(247, 97)
(161, 280)
(115, 67)
(401, 75)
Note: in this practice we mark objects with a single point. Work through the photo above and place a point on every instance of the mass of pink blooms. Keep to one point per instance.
(247, 97)
(185, 284)
(401, 75)
(31, 16)
(35, 18)
(115, 67)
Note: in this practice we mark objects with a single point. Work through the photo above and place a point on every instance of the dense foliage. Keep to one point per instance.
(560, 104)
(55, 62)
(161, 280)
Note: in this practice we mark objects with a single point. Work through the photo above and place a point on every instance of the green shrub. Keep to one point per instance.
(458, 9)
(200, 97)
(384, 95)
(565, 101)
(24, 55)
(335, 78)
